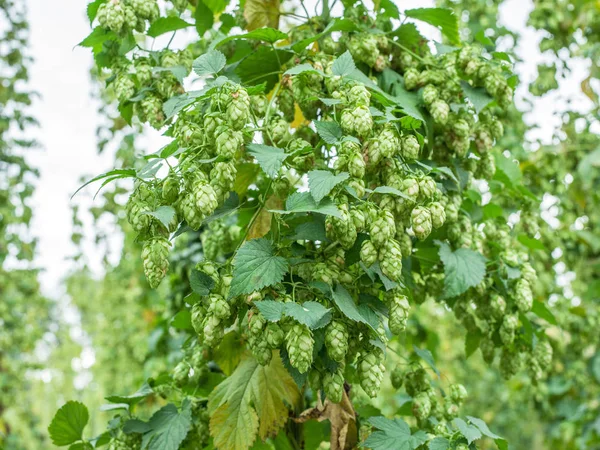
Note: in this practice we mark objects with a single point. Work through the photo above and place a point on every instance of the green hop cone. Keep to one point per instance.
(427, 188)
(411, 79)
(136, 214)
(421, 222)
(397, 377)
(259, 105)
(199, 203)
(262, 352)
(155, 258)
(287, 104)
(342, 228)
(439, 110)
(358, 121)
(399, 309)
(238, 109)
(198, 314)
(274, 336)
(488, 349)
(368, 253)
(218, 307)
(542, 353)
(421, 406)
(124, 87)
(299, 344)
(359, 96)
(180, 373)
(170, 189)
(508, 329)
(222, 178)
(523, 296)
(410, 147)
(358, 219)
(146, 9)
(152, 109)
(458, 394)
(486, 166)
(383, 228)
(416, 381)
(410, 188)
(228, 141)
(111, 15)
(390, 260)
(528, 273)
(497, 306)
(430, 94)
(438, 214)
(370, 373)
(336, 340)
(279, 131)
(212, 330)
(333, 385)
(356, 165)
(389, 142)
(510, 362)
(405, 242)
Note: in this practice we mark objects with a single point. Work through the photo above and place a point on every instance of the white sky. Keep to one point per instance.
(68, 119)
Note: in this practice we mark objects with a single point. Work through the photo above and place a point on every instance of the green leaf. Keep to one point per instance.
(477, 96)
(251, 401)
(343, 65)
(394, 434)
(541, 310)
(68, 423)
(261, 65)
(463, 268)
(92, 9)
(168, 427)
(301, 68)
(346, 304)
(507, 171)
(303, 202)
(439, 443)
(426, 356)
(389, 190)
(132, 399)
(270, 35)
(97, 37)
(210, 63)
(472, 343)
(310, 231)
(329, 131)
(312, 314)
(255, 267)
(483, 427)
(442, 18)
(483, 39)
(470, 432)
(112, 174)
(491, 211)
(216, 6)
(334, 25)
(531, 243)
(164, 214)
(321, 182)
(410, 36)
(270, 309)
(201, 283)
(204, 18)
(164, 25)
(269, 158)
(180, 72)
(390, 8)
(182, 320)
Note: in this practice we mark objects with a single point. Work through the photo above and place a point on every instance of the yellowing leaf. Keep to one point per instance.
(229, 352)
(262, 13)
(262, 224)
(298, 117)
(251, 401)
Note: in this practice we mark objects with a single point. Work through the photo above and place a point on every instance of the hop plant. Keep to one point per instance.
(523, 296)
(390, 260)
(199, 203)
(421, 407)
(357, 121)
(336, 340)
(438, 215)
(299, 344)
(155, 257)
(383, 228)
(410, 147)
(368, 253)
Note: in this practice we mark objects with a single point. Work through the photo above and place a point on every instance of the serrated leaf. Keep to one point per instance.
(335, 25)
(542, 311)
(463, 269)
(269, 158)
(204, 18)
(201, 283)
(321, 182)
(229, 353)
(310, 231)
(329, 131)
(164, 25)
(112, 174)
(426, 356)
(346, 304)
(312, 314)
(270, 309)
(211, 63)
(134, 398)
(182, 320)
(393, 434)
(136, 426)
(262, 65)
(301, 68)
(442, 18)
(251, 401)
(410, 36)
(343, 65)
(68, 423)
(439, 443)
(92, 9)
(255, 267)
(472, 341)
(507, 171)
(483, 427)
(164, 214)
(477, 96)
(303, 202)
(168, 427)
(470, 432)
(531, 243)
(270, 35)
(97, 37)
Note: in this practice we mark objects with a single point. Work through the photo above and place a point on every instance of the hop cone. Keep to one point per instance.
(336, 340)
(370, 373)
(155, 258)
(333, 385)
(399, 310)
(390, 260)
(383, 228)
(523, 296)
(299, 344)
(368, 253)
(421, 222)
